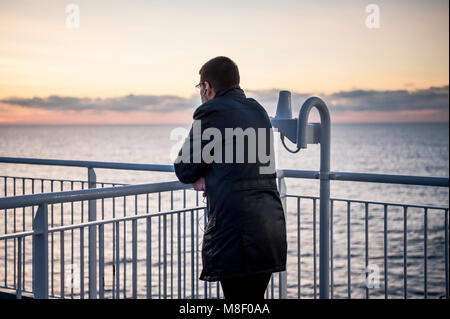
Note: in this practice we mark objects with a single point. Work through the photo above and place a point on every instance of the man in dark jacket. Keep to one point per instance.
(245, 236)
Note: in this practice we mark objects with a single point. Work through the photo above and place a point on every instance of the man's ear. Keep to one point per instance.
(209, 89)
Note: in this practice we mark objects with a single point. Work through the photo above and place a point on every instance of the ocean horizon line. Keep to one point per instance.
(189, 123)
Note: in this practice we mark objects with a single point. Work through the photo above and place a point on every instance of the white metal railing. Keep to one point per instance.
(41, 234)
(177, 265)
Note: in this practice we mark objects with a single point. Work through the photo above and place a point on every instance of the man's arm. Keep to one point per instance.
(189, 165)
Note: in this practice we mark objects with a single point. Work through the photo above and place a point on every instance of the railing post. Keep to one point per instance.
(324, 213)
(40, 253)
(283, 274)
(92, 216)
(324, 140)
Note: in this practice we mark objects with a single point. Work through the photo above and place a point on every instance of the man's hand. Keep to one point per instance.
(199, 185)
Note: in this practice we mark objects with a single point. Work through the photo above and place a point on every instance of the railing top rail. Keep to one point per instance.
(369, 177)
(289, 173)
(89, 194)
(89, 164)
(360, 201)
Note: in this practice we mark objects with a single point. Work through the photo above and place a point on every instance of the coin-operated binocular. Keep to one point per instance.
(302, 133)
(298, 130)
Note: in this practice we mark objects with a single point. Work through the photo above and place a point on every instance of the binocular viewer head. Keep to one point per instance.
(284, 110)
(298, 130)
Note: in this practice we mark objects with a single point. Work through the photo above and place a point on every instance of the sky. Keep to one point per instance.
(137, 62)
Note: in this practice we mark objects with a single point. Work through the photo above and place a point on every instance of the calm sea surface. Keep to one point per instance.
(404, 149)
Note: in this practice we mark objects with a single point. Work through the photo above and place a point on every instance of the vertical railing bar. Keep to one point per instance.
(62, 254)
(32, 216)
(81, 261)
(314, 248)
(192, 256)
(331, 251)
(272, 287)
(159, 256)
(72, 240)
(92, 216)
(405, 252)
(23, 264)
(425, 254)
(366, 244)
(101, 253)
(184, 255)
(149, 250)
(103, 208)
(23, 208)
(61, 188)
(446, 254)
(159, 246)
(52, 243)
(61, 248)
(15, 230)
(19, 269)
(164, 251)
(114, 205)
(114, 256)
(22, 269)
(298, 249)
(6, 231)
(171, 246)
(32, 192)
(196, 254)
(134, 253)
(184, 244)
(82, 205)
(179, 253)
(349, 260)
(386, 287)
(149, 256)
(207, 284)
(134, 248)
(117, 260)
(101, 260)
(124, 249)
(218, 290)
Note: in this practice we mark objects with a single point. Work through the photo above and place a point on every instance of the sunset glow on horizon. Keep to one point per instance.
(137, 62)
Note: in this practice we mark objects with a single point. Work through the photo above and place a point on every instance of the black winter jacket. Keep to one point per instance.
(246, 229)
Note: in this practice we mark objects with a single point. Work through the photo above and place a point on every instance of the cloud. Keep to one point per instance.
(436, 98)
(129, 103)
(433, 98)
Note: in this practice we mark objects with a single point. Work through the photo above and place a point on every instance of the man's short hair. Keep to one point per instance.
(221, 73)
